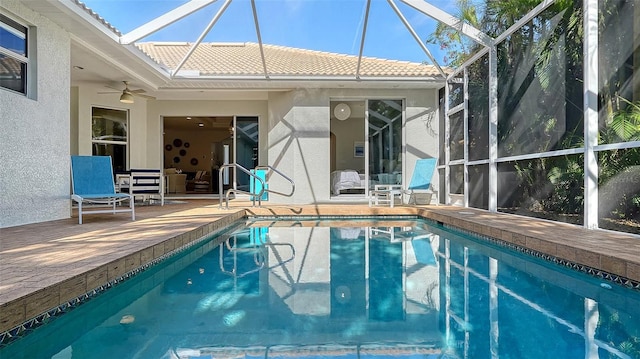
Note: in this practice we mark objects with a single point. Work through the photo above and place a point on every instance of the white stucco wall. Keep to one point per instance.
(34, 133)
(347, 133)
(299, 145)
(89, 96)
(146, 142)
(158, 109)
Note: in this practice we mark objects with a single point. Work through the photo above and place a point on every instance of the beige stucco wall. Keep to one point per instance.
(89, 96)
(303, 153)
(146, 140)
(35, 132)
(347, 133)
(158, 109)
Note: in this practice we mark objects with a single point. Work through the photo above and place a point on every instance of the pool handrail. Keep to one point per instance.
(269, 168)
(263, 187)
(236, 191)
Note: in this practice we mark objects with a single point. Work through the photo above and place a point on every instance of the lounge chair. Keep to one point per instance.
(92, 182)
(421, 180)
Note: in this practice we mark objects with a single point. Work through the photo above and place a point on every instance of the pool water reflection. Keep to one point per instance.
(352, 288)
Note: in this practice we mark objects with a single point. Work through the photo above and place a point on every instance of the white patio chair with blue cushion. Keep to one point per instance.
(92, 183)
(421, 181)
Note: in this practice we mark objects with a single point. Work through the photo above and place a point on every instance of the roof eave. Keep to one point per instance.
(292, 82)
(351, 78)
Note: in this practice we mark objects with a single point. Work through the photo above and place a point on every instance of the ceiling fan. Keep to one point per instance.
(128, 94)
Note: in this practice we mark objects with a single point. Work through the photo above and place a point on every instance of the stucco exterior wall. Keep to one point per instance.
(347, 133)
(158, 109)
(34, 133)
(89, 96)
(146, 141)
(299, 144)
(280, 141)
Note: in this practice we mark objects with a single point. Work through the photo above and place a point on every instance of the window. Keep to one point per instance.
(14, 58)
(109, 135)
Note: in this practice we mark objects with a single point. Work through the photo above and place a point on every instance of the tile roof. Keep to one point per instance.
(95, 15)
(244, 59)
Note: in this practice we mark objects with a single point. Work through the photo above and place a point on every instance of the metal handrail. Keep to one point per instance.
(233, 190)
(293, 185)
(263, 190)
(258, 257)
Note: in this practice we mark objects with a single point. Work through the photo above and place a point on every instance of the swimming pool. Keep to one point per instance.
(347, 288)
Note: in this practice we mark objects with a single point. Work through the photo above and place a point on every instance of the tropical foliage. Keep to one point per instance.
(540, 105)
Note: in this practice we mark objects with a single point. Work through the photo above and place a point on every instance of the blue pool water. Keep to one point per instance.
(348, 289)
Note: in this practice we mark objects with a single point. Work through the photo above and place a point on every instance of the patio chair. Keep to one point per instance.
(92, 182)
(421, 181)
(201, 181)
(147, 183)
(385, 193)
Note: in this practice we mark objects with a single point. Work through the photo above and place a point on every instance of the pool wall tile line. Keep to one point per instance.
(530, 251)
(536, 237)
(72, 292)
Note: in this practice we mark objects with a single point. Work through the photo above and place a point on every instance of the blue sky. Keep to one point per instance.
(323, 25)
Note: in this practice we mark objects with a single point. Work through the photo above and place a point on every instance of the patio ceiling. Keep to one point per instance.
(103, 55)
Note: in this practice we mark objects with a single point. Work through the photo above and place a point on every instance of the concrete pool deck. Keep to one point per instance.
(45, 265)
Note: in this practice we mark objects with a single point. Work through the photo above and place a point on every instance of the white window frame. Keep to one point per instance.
(27, 59)
(124, 142)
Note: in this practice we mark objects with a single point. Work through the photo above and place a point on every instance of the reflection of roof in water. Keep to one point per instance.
(424, 351)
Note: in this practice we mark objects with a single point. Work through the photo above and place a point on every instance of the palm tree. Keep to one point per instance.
(457, 46)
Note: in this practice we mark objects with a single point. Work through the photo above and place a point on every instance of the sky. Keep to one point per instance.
(323, 25)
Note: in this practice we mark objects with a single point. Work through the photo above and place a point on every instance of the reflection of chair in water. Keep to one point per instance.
(92, 182)
(423, 251)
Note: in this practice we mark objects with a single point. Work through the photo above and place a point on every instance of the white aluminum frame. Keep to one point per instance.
(590, 107)
(591, 147)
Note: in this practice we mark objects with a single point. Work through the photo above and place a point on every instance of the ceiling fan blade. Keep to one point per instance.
(113, 88)
(141, 95)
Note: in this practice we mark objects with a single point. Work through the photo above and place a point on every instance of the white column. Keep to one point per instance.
(493, 129)
(465, 149)
(494, 331)
(590, 113)
(591, 318)
(447, 134)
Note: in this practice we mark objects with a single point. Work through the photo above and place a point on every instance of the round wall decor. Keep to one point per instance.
(168, 147)
(183, 152)
(177, 142)
(194, 161)
(176, 159)
(187, 144)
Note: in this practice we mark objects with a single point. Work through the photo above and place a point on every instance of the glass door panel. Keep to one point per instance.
(246, 139)
(385, 142)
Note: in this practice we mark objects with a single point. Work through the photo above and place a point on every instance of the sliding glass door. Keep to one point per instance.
(384, 134)
(246, 148)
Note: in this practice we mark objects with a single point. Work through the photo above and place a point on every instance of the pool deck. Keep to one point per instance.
(45, 265)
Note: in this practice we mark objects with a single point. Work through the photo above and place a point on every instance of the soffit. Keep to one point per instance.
(95, 47)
